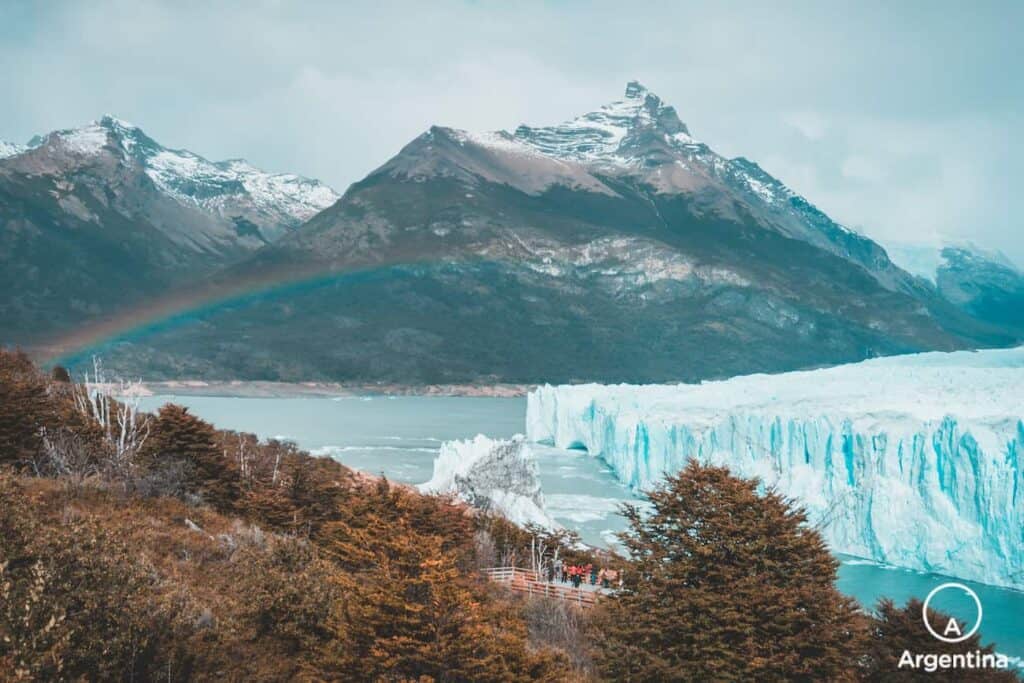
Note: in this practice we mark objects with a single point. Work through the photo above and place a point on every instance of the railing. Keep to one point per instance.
(527, 582)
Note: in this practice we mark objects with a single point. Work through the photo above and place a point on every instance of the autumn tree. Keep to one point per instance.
(896, 630)
(181, 443)
(407, 613)
(25, 409)
(726, 583)
(60, 374)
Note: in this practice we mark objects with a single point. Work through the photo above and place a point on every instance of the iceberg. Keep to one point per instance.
(913, 461)
(498, 475)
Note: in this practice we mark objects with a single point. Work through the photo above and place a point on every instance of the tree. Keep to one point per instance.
(408, 613)
(179, 439)
(60, 374)
(896, 630)
(26, 410)
(726, 584)
(120, 425)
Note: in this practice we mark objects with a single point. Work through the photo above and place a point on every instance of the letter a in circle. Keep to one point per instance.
(952, 628)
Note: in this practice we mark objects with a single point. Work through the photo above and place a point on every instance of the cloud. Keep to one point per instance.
(863, 169)
(809, 124)
(903, 119)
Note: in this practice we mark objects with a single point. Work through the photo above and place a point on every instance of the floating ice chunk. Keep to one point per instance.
(497, 475)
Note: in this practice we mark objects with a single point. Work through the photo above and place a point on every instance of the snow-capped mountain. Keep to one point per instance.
(101, 217)
(613, 247)
(640, 141)
(255, 203)
(912, 460)
(983, 282)
(926, 260)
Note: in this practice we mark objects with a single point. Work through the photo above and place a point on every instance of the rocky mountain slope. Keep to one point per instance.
(612, 247)
(100, 218)
(985, 284)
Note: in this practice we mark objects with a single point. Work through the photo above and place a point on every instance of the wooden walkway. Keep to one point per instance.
(527, 582)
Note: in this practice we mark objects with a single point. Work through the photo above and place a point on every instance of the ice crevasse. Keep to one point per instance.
(909, 460)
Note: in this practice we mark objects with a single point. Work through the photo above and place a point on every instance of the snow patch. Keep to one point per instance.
(10, 149)
(85, 141)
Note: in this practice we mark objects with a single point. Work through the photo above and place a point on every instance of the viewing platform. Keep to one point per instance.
(526, 581)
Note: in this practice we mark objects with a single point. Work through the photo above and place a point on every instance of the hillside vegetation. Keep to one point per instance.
(206, 554)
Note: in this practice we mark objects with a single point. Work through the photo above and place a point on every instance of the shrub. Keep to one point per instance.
(73, 604)
(181, 443)
(26, 409)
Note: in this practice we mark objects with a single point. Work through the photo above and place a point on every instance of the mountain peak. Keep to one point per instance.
(623, 131)
(105, 133)
(111, 122)
(647, 103)
(635, 90)
(131, 138)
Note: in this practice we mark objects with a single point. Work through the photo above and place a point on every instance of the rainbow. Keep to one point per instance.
(184, 306)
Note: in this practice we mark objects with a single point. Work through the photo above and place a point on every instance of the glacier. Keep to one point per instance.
(500, 475)
(912, 461)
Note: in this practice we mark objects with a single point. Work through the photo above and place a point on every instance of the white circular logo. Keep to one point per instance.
(952, 632)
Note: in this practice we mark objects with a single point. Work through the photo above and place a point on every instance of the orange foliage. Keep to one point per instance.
(217, 556)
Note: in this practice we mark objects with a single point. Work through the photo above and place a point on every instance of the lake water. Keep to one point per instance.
(400, 436)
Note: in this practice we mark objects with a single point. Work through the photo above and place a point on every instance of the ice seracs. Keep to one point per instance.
(497, 475)
(914, 461)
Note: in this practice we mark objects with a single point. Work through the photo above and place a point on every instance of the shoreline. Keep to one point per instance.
(262, 389)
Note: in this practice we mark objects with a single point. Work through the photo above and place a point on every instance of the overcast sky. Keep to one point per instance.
(901, 119)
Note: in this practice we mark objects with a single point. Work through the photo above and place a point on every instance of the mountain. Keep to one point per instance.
(613, 247)
(636, 148)
(100, 218)
(986, 284)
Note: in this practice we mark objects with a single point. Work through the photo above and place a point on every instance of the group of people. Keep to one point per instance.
(578, 574)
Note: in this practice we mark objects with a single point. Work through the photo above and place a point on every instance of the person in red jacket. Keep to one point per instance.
(577, 576)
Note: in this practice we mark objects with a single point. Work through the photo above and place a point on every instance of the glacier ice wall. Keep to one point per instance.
(498, 475)
(912, 460)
